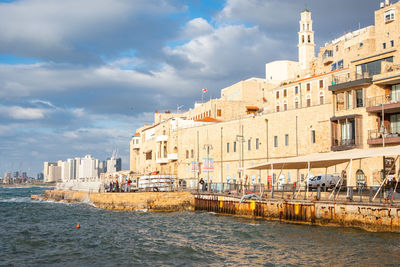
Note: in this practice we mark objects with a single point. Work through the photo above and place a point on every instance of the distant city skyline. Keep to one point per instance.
(78, 77)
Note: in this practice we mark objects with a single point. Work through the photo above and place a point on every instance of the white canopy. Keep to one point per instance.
(324, 160)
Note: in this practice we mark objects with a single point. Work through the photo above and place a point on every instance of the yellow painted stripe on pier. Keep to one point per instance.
(296, 208)
(252, 205)
(221, 199)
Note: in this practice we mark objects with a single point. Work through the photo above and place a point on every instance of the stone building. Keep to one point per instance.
(346, 97)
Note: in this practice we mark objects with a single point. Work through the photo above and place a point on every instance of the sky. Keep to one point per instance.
(79, 77)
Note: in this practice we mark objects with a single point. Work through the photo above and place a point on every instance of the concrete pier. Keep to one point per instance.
(371, 217)
(154, 201)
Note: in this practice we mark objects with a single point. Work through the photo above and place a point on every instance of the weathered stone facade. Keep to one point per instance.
(335, 104)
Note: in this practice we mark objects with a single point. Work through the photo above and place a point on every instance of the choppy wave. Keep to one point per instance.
(16, 199)
(26, 187)
(47, 234)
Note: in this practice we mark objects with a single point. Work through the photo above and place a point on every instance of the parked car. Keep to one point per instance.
(330, 180)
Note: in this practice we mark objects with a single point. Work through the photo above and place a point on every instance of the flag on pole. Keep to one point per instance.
(204, 90)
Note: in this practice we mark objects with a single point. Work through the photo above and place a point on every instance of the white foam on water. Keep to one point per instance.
(16, 200)
(142, 210)
(25, 187)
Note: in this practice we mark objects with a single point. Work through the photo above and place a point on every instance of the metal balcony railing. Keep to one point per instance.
(343, 142)
(378, 100)
(349, 77)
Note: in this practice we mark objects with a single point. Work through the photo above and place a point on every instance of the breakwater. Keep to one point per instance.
(371, 217)
(155, 201)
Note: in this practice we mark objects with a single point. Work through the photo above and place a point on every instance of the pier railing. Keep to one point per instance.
(385, 195)
(360, 193)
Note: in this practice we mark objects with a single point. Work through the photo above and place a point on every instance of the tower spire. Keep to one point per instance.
(306, 40)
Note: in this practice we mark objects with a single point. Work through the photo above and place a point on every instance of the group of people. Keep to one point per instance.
(115, 186)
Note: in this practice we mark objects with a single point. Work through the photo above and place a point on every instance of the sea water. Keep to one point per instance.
(38, 233)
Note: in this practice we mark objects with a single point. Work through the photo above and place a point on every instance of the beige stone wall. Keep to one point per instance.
(359, 47)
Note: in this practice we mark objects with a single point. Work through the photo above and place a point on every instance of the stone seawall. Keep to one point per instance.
(156, 201)
(375, 218)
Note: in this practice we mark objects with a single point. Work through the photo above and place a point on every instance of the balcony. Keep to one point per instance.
(162, 160)
(390, 74)
(375, 137)
(343, 144)
(327, 57)
(172, 156)
(374, 104)
(162, 138)
(349, 80)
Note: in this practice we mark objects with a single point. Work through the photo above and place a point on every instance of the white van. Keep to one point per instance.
(320, 180)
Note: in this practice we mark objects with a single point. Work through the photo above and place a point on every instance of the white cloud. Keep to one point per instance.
(21, 113)
(226, 52)
(196, 27)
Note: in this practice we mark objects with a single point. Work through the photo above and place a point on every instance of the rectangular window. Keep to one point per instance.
(347, 132)
(285, 106)
(340, 101)
(340, 64)
(384, 46)
(192, 153)
(359, 98)
(286, 140)
(389, 15)
(296, 104)
(277, 94)
(321, 99)
(277, 108)
(227, 147)
(333, 66)
(187, 154)
(257, 143)
(148, 155)
(321, 83)
(392, 43)
(313, 136)
(308, 87)
(349, 99)
(395, 123)
(396, 92)
(234, 146)
(371, 68)
(219, 112)
(285, 93)
(249, 144)
(275, 141)
(308, 102)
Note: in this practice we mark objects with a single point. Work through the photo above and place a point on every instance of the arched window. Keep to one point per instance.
(361, 181)
(309, 39)
(308, 100)
(296, 103)
(321, 97)
(285, 105)
(302, 39)
(277, 105)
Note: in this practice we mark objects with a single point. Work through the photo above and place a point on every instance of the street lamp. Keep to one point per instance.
(207, 147)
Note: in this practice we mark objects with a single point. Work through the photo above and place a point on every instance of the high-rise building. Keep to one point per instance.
(40, 176)
(114, 164)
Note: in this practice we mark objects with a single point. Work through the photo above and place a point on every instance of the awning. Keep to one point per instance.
(324, 160)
